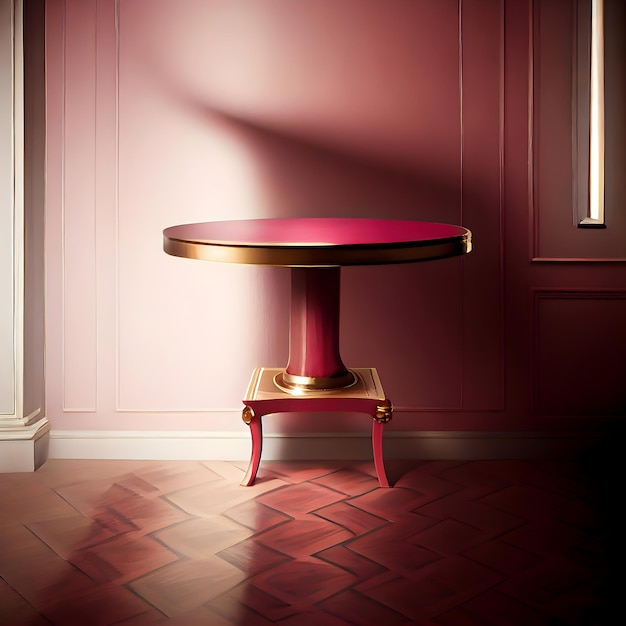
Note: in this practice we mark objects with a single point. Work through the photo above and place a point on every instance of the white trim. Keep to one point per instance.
(15, 87)
(18, 202)
(13, 421)
(235, 446)
(25, 433)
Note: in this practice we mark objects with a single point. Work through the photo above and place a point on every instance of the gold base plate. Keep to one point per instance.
(263, 386)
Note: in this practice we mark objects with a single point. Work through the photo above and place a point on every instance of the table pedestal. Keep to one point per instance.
(315, 378)
(314, 359)
(365, 395)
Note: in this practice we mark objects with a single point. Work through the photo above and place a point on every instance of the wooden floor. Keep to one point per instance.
(452, 543)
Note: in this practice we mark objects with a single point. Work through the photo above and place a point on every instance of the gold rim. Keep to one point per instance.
(320, 256)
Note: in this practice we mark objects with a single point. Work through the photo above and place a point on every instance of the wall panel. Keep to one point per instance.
(482, 85)
(79, 361)
(579, 339)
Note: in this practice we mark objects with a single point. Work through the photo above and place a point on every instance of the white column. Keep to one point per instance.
(23, 426)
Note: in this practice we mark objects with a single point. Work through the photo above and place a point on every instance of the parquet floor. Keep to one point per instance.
(453, 543)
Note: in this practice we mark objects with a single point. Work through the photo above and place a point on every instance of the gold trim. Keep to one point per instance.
(290, 255)
(255, 381)
(383, 412)
(247, 415)
(299, 385)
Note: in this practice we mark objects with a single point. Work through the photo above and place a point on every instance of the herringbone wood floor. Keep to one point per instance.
(501, 543)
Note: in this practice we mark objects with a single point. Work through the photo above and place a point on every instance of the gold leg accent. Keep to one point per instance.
(383, 412)
(247, 415)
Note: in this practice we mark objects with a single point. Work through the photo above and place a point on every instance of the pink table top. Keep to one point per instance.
(316, 242)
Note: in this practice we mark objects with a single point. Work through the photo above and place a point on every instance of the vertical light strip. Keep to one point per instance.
(596, 139)
(596, 118)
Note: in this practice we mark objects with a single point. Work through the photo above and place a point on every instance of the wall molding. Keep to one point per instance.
(235, 446)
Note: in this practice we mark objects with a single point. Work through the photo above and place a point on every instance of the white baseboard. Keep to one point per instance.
(235, 446)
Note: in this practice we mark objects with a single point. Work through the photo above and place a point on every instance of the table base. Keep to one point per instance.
(264, 397)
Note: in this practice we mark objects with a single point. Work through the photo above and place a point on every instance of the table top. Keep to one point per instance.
(317, 241)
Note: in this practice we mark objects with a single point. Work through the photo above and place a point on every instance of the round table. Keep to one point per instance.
(315, 249)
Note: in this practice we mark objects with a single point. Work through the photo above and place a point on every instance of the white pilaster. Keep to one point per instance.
(23, 426)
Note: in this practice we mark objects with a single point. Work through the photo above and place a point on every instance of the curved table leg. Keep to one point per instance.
(256, 431)
(381, 417)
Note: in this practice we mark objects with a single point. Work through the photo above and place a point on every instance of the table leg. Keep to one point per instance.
(256, 432)
(377, 449)
(381, 417)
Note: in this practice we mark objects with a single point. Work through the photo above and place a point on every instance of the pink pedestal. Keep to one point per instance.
(314, 358)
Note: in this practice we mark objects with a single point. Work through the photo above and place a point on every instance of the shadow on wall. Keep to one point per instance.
(304, 177)
(367, 124)
(388, 327)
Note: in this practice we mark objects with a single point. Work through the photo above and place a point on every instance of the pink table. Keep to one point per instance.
(315, 378)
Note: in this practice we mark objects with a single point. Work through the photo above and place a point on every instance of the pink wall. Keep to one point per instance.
(170, 112)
